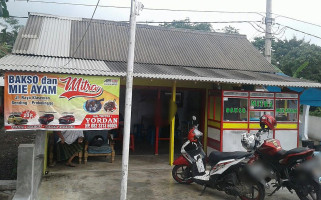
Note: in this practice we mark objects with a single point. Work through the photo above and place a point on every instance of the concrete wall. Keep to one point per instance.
(314, 131)
(30, 168)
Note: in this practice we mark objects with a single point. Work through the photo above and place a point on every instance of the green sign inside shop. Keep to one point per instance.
(235, 110)
(261, 103)
(286, 110)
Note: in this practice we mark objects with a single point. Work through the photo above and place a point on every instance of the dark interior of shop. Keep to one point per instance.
(148, 111)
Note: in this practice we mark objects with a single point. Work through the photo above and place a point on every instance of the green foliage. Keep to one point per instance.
(259, 43)
(8, 35)
(294, 57)
(3, 8)
(231, 30)
(315, 111)
(187, 24)
(300, 69)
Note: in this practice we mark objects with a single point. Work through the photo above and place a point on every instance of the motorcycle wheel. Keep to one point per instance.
(182, 174)
(311, 191)
(257, 193)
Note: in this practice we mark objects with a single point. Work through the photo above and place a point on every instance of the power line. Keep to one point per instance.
(172, 10)
(204, 11)
(182, 22)
(175, 10)
(256, 28)
(297, 20)
(145, 8)
(300, 31)
(92, 16)
(187, 22)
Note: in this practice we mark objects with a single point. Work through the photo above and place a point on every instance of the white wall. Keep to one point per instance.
(314, 131)
(232, 140)
(287, 138)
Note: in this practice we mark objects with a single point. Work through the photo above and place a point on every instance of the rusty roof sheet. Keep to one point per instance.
(55, 36)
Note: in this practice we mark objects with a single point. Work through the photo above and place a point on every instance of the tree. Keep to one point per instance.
(8, 35)
(187, 24)
(3, 8)
(231, 30)
(294, 57)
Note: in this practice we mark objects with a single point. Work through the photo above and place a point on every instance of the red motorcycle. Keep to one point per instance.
(228, 171)
(294, 169)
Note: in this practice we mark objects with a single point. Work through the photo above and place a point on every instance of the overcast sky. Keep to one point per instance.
(308, 10)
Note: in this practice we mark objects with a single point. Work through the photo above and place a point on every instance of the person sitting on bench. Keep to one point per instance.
(69, 145)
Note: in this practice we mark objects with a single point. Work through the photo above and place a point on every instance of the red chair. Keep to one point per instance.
(132, 141)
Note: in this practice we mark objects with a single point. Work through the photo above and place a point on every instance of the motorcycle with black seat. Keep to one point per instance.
(296, 169)
(228, 171)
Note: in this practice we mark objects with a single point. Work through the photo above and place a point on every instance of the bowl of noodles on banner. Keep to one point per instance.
(110, 106)
(93, 105)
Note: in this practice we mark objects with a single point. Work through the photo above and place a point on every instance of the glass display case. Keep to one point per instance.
(231, 113)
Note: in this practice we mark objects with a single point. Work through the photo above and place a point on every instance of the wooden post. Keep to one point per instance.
(172, 126)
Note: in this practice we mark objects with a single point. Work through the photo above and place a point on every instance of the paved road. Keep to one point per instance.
(149, 179)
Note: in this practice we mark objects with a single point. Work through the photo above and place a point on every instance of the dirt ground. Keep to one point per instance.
(9, 142)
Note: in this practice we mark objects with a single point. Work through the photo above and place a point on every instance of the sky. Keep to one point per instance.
(308, 10)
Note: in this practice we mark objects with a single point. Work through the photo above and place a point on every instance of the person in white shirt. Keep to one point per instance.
(69, 145)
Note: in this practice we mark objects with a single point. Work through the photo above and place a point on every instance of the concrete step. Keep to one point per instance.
(7, 185)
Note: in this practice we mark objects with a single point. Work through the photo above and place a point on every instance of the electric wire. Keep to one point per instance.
(198, 22)
(172, 10)
(299, 31)
(178, 10)
(256, 28)
(162, 22)
(145, 8)
(260, 27)
(87, 28)
(256, 34)
(291, 18)
(279, 37)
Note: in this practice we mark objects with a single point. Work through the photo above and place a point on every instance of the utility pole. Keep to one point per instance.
(268, 30)
(135, 8)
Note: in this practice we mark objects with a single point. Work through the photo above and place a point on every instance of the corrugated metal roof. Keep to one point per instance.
(106, 40)
(54, 65)
(48, 36)
(92, 67)
(33, 27)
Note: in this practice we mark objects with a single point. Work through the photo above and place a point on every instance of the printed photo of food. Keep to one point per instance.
(110, 106)
(93, 105)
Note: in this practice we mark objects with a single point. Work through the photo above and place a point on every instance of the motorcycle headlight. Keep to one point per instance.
(248, 141)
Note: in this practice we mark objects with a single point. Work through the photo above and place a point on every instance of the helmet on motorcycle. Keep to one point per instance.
(191, 136)
(267, 120)
(194, 134)
(248, 141)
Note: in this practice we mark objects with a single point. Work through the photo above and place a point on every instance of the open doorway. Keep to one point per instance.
(150, 108)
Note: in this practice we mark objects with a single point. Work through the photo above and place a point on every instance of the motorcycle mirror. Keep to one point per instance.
(194, 118)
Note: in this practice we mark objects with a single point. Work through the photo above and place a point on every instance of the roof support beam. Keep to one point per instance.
(172, 112)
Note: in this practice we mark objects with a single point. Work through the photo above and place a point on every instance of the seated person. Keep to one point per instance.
(69, 145)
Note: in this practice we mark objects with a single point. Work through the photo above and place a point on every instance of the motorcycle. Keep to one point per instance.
(228, 171)
(295, 169)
